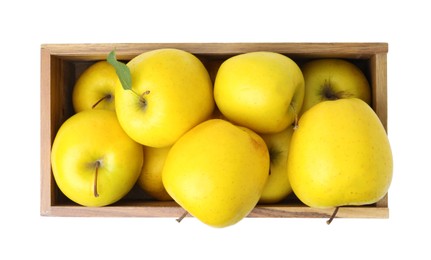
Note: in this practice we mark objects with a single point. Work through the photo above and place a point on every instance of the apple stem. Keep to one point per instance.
(295, 122)
(332, 216)
(141, 97)
(100, 100)
(182, 216)
(96, 194)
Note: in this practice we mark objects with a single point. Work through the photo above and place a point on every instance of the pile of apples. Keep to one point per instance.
(264, 129)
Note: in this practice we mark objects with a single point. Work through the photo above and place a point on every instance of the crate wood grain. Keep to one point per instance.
(61, 65)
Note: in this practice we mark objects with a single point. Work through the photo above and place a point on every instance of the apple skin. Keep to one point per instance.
(261, 90)
(277, 186)
(150, 179)
(340, 155)
(89, 138)
(95, 88)
(177, 95)
(217, 171)
(330, 79)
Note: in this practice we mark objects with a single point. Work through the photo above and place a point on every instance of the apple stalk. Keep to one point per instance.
(182, 216)
(295, 122)
(97, 164)
(332, 216)
(329, 93)
(107, 97)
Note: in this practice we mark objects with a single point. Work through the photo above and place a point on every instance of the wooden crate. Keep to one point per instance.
(61, 64)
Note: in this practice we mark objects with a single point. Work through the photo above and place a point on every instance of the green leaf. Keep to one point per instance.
(123, 72)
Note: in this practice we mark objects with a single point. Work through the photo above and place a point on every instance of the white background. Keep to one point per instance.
(26, 25)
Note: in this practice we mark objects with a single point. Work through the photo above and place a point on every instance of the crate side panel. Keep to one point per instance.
(45, 132)
(129, 50)
(378, 69)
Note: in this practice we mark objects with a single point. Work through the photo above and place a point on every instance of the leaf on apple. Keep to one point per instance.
(123, 72)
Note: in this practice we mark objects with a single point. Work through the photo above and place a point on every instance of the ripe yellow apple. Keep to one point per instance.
(94, 162)
(150, 179)
(340, 155)
(277, 186)
(261, 90)
(95, 88)
(171, 93)
(217, 171)
(330, 79)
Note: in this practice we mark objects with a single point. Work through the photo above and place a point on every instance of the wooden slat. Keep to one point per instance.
(378, 67)
(129, 50)
(171, 209)
(45, 132)
(307, 212)
(378, 78)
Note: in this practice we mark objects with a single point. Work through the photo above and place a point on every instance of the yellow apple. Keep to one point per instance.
(94, 162)
(171, 91)
(340, 155)
(217, 171)
(95, 88)
(277, 186)
(330, 79)
(261, 90)
(150, 179)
